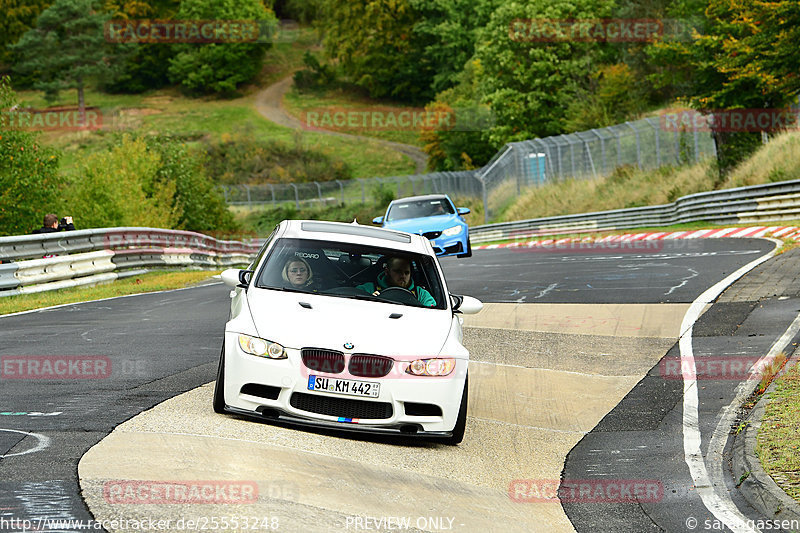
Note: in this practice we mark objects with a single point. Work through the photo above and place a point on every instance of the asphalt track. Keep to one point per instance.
(161, 345)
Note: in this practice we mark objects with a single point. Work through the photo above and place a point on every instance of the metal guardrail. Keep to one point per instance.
(83, 257)
(757, 203)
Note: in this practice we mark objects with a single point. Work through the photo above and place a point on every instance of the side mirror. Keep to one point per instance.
(377, 220)
(233, 277)
(466, 304)
(463, 210)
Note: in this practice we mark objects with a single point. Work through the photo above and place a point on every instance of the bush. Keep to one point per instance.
(121, 187)
(201, 206)
(240, 159)
(317, 76)
(30, 184)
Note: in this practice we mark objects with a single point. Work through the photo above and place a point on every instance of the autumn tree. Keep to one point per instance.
(745, 59)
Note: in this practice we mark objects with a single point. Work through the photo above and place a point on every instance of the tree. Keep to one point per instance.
(220, 67)
(528, 82)
(18, 17)
(29, 179)
(374, 43)
(746, 59)
(66, 49)
(147, 65)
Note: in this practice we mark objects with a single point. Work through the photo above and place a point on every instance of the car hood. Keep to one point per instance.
(331, 322)
(421, 225)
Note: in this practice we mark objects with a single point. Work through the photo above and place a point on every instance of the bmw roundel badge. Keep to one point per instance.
(349, 346)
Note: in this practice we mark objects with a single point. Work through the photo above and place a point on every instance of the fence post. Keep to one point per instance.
(247, 188)
(341, 189)
(319, 191)
(696, 147)
(485, 202)
(638, 146)
(363, 198)
(296, 196)
(272, 190)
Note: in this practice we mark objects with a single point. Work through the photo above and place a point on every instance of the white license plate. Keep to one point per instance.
(349, 387)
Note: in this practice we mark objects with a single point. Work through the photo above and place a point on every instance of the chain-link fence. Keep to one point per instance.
(592, 154)
(464, 183)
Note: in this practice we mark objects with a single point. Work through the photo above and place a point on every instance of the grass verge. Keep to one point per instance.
(152, 281)
(778, 446)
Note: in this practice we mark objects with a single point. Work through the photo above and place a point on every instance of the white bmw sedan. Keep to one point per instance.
(346, 326)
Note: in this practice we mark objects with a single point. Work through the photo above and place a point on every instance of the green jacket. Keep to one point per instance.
(422, 295)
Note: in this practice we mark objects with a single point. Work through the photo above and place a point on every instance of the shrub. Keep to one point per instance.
(29, 180)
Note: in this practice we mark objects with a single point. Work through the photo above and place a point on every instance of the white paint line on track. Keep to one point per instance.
(743, 391)
(710, 488)
(42, 443)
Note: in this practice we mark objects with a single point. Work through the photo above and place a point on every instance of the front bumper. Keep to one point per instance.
(444, 246)
(278, 389)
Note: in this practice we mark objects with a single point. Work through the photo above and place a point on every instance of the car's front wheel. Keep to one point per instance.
(468, 253)
(219, 386)
(461, 421)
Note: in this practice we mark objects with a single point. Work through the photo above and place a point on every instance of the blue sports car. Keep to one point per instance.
(433, 216)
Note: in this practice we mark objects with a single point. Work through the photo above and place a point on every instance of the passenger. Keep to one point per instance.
(298, 273)
(397, 273)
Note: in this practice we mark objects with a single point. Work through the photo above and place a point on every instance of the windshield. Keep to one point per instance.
(419, 209)
(352, 271)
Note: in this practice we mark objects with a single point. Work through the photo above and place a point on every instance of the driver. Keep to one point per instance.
(397, 273)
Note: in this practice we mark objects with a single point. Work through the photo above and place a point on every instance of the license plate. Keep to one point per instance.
(349, 387)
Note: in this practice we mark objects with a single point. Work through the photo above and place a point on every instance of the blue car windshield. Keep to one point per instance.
(419, 209)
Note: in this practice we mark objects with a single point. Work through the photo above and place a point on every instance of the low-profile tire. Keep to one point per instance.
(219, 386)
(461, 421)
(468, 253)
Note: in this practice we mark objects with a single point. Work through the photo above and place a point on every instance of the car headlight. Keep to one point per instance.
(261, 347)
(455, 230)
(431, 367)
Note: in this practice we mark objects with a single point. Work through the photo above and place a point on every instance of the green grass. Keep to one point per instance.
(152, 281)
(298, 103)
(778, 446)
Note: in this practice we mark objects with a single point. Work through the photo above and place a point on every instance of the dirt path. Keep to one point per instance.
(269, 102)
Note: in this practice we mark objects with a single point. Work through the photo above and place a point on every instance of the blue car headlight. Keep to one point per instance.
(450, 232)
